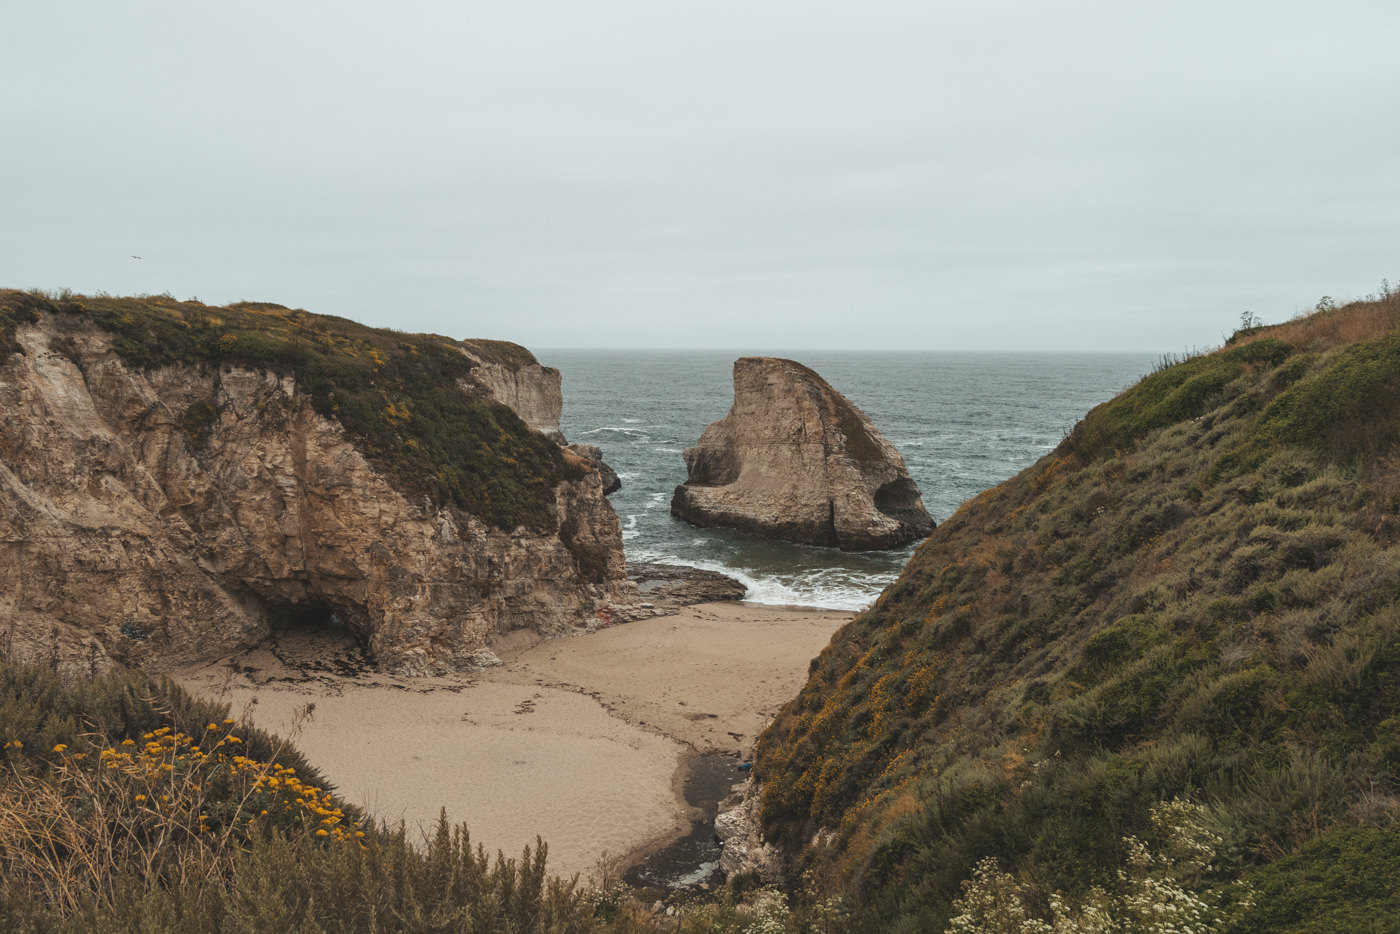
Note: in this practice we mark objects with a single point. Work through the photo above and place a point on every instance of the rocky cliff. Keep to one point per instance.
(175, 479)
(514, 378)
(795, 460)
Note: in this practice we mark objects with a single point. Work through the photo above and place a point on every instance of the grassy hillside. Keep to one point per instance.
(1164, 659)
(396, 394)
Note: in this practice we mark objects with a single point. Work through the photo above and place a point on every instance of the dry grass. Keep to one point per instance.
(1323, 329)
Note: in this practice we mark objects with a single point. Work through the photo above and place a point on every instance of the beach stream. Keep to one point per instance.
(693, 860)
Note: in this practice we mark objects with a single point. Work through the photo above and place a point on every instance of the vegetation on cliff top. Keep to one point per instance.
(1193, 599)
(400, 397)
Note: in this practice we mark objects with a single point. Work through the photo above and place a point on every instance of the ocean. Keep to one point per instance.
(963, 422)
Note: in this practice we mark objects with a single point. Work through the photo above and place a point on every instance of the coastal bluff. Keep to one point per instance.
(177, 480)
(795, 460)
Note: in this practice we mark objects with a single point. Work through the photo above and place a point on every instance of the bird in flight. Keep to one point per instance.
(134, 256)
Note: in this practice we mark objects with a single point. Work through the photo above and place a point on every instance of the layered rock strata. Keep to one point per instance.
(795, 460)
(128, 534)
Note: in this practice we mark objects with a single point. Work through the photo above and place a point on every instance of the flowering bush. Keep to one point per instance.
(1153, 895)
(171, 803)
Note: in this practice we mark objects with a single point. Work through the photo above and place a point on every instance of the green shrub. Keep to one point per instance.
(1345, 880)
(1345, 409)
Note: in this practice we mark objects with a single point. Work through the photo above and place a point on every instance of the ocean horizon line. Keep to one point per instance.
(775, 351)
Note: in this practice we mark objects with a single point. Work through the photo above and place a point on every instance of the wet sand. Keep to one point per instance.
(579, 740)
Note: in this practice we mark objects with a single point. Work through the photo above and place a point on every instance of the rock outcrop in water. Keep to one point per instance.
(795, 460)
(675, 585)
(164, 499)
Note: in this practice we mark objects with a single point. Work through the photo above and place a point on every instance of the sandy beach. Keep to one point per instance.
(578, 739)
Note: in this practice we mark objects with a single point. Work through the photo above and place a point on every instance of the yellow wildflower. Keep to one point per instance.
(60, 747)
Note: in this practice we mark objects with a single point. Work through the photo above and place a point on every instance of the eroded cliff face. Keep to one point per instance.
(131, 530)
(533, 391)
(795, 460)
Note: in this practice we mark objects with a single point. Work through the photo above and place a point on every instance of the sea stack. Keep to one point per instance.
(795, 460)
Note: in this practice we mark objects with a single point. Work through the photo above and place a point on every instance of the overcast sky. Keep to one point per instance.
(746, 175)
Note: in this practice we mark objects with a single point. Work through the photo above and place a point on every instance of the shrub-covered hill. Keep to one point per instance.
(1192, 605)
(398, 396)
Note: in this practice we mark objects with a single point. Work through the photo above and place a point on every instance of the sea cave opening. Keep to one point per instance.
(317, 635)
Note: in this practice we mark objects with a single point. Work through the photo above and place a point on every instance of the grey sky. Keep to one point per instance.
(747, 175)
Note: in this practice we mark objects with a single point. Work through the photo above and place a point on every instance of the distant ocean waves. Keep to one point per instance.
(963, 422)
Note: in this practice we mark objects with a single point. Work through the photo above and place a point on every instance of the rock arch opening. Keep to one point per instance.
(899, 499)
